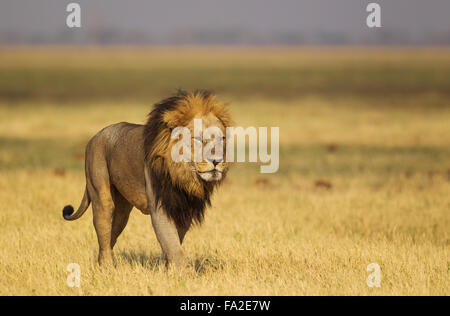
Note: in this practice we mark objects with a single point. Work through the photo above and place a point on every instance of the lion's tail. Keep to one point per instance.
(68, 210)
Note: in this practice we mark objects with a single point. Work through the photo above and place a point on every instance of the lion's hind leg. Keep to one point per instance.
(103, 208)
(111, 212)
(99, 189)
(122, 210)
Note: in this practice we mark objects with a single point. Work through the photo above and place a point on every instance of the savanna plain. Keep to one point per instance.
(364, 171)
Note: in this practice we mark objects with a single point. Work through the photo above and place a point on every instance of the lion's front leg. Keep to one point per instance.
(168, 237)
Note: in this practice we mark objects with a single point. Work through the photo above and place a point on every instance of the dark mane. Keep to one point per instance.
(181, 206)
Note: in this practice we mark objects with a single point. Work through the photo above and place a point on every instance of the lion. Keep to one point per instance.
(129, 165)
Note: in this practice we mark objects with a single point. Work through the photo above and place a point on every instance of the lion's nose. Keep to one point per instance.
(216, 162)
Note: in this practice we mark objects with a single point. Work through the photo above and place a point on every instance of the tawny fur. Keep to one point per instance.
(130, 165)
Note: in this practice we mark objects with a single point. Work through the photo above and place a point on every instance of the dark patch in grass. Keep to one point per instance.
(322, 184)
(79, 156)
(332, 148)
(265, 183)
(262, 182)
(59, 172)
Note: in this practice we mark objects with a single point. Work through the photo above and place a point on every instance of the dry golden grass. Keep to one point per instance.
(364, 172)
(280, 234)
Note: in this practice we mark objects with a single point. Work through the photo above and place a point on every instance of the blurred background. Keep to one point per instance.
(233, 22)
(364, 117)
(252, 47)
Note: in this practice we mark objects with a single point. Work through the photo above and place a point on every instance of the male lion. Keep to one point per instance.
(131, 165)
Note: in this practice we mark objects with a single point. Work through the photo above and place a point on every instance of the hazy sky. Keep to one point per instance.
(416, 19)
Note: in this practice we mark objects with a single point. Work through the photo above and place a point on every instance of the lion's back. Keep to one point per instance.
(115, 132)
(117, 150)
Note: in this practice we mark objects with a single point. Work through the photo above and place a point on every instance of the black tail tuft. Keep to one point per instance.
(67, 211)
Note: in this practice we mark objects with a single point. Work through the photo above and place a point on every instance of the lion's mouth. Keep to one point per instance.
(211, 175)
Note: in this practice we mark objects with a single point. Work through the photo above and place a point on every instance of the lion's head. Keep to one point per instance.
(186, 184)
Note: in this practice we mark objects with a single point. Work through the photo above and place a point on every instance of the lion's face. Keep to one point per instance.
(212, 167)
(196, 174)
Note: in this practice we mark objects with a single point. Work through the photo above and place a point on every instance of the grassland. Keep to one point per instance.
(364, 171)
